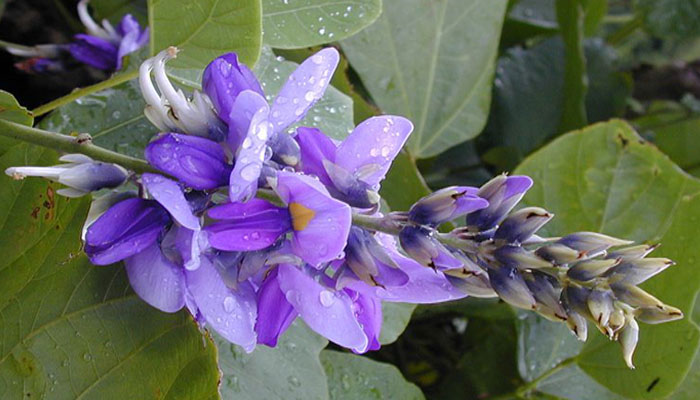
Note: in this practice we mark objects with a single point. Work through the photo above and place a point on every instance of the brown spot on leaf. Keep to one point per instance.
(35, 212)
(50, 203)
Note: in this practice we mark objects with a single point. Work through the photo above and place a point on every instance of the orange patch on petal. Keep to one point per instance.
(301, 216)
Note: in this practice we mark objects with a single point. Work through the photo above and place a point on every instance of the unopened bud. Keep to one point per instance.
(586, 270)
(446, 204)
(522, 224)
(629, 336)
(511, 287)
(591, 243)
(503, 193)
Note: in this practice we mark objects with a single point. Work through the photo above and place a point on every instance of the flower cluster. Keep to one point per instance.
(249, 226)
(103, 47)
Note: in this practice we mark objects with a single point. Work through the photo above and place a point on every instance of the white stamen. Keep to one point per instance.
(90, 25)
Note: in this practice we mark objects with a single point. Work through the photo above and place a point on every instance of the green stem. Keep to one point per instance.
(70, 144)
(76, 94)
(625, 31)
(522, 390)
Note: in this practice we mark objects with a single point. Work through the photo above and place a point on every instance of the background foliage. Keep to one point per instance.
(596, 100)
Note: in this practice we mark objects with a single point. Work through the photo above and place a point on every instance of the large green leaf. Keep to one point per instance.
(528, 96)
(395, 318)
(114, 10)
(205, 29)
(290, 370)
(676, 131)
(606, 179)
(356, 377)
(10, 110)
(332, 114)
(72, 330)
(292, 24)
(671, 18)
(113, 117)
(431, 61)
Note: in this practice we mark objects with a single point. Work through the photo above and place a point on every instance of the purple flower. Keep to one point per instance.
(353, 169)
(198, 162)
(346, 317)
(252, 124)
(80, 173)
(104, 46)
(319, 223)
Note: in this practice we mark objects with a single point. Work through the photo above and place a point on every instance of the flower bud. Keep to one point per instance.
(369, 261)
(558, 253)
(576, 299)
(349, 188)
(511, 287)
(522, 224)
(635, 296)
(658, 315)
(634, 272)
(577, 324)
(542, 287)
(446, 205)
(586, 270)
(601, 306)
(285, 149)
(629, 336)
(503, 193)
(591, 243)
(420, 245)
(521, 258)
(80, 173)
(198, 162)
(633, 252)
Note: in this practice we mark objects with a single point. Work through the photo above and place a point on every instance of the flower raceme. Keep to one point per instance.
(256, 221)
(102, 47)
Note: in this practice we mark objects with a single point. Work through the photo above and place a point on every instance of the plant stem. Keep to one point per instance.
(625, 30)
(70, 144)
(522, 390)
(76, 94)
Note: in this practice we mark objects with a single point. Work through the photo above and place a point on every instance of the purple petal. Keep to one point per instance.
(328, 312)
(132, 37)
(321, 223)
(425, 286)
(200, 163)
(247, 226)
(315, 147)
(231, 313)
(275, 313)
(368, 310)
(243, 182)
(246, 105)
(169, 194)
(127, 228)
(373, 145)
(303, 88)
(156, 279)
(96, 52)
(517, 185)
(224, 79)
(189, 245)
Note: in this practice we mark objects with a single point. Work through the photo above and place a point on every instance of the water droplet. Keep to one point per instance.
(317, 59)
(294, 381)
(385, 151)
(321, 32)
(87, 356)
(250, 172)
(326, 298)
(309, 96)
(247, 143)
(229, 304)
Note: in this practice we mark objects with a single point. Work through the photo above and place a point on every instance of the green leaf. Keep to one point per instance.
(404, 184)
(290, 370)
(114, 10)
(671, 18)
(606, 179)
(10, 110)
(355, 377)
(395, 318)
(304, 23)
(570, 15)
(528, 97)
(431, 62)
(332, 114)
(113, 117)
(675, 131)
(205, 29)
(72, 330)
